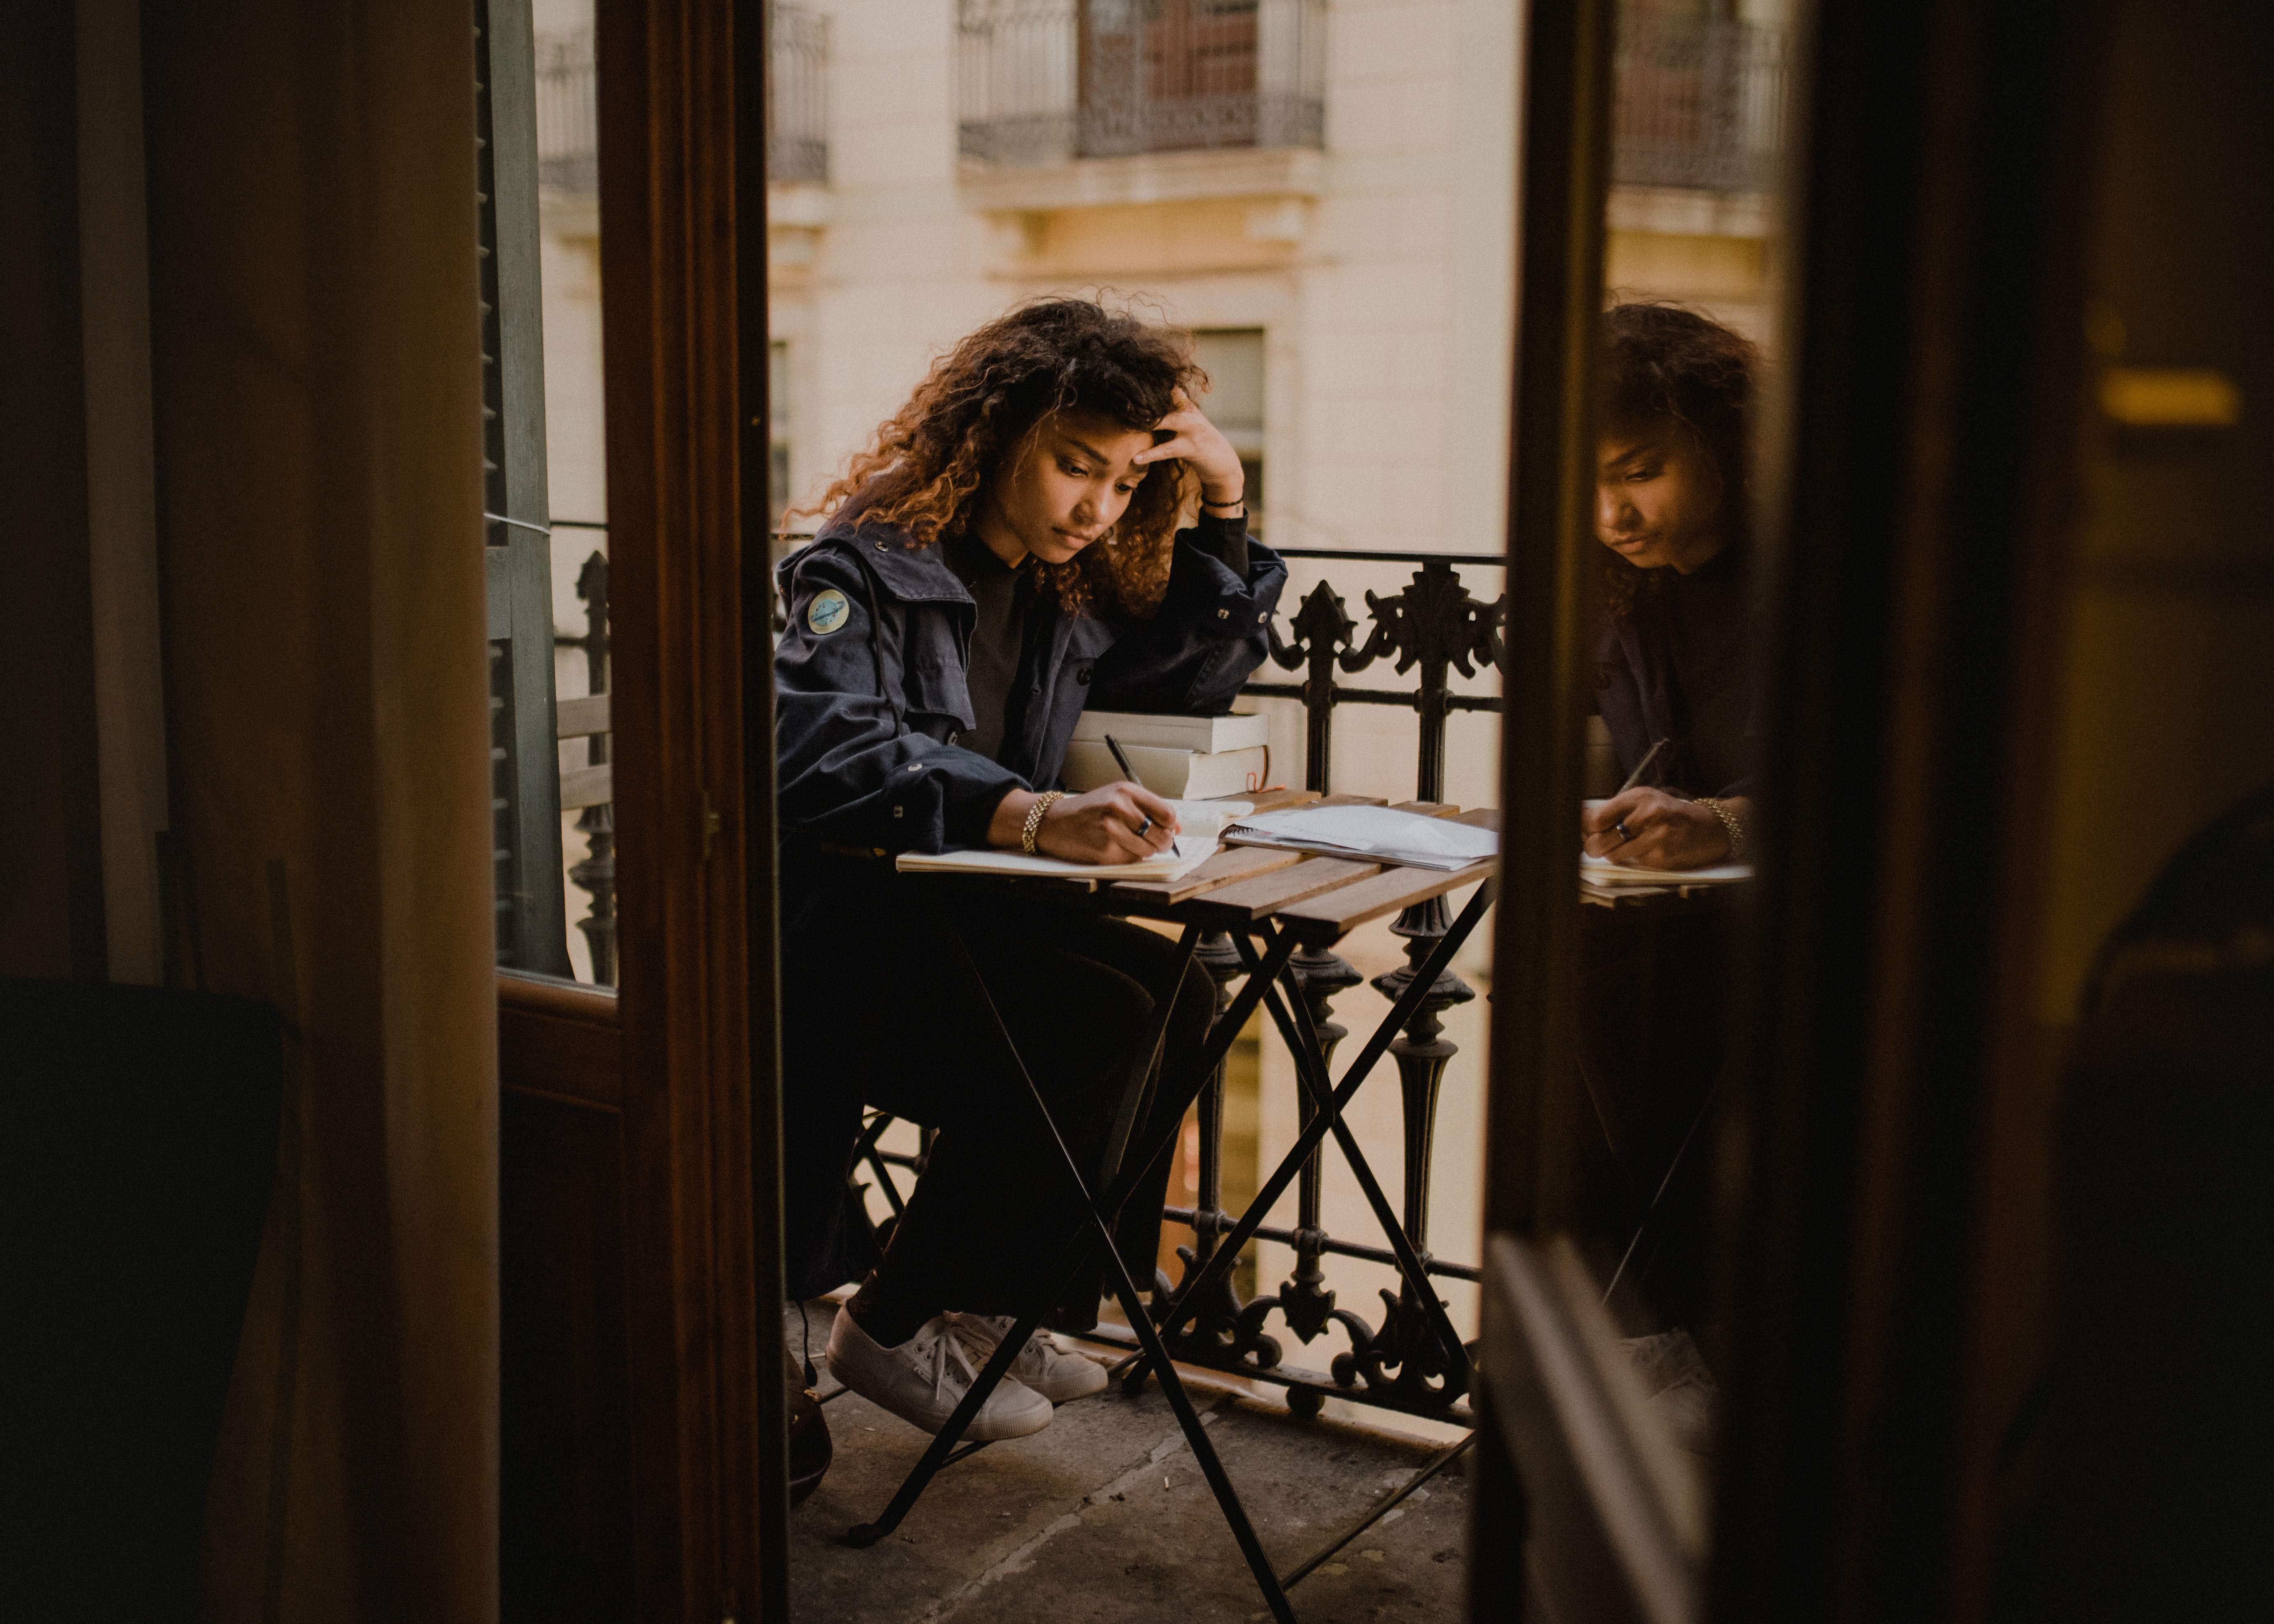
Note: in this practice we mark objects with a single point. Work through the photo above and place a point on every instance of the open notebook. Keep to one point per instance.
(1199, 825)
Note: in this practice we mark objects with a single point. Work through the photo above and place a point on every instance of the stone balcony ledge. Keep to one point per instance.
(1144, 177)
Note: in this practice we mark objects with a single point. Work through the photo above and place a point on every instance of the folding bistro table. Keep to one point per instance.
(1272, 902)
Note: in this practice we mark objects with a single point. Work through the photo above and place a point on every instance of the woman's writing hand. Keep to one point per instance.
(1199, 443)
(1107, 825)
(1662, 831)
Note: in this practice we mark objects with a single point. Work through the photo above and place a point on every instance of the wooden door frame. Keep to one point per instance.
(1532, 1099)
(681, 92)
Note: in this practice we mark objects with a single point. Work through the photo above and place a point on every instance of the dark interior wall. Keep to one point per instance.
(51, 914)
(2159, 697)
(2170, 657)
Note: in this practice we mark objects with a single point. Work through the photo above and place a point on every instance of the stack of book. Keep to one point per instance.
(1184, 758)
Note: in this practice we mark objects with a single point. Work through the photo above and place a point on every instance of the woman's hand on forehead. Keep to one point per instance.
(1191, 438)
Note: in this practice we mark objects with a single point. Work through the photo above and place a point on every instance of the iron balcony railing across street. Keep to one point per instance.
(797, 128)
(797, 107)
(1700, 103)
(1043, 82)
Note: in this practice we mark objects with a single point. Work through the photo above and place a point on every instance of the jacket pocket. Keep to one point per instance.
(937, 687)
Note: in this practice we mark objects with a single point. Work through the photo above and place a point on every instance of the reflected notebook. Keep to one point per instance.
(1603, 871)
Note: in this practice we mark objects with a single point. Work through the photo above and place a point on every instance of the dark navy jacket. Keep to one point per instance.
(870, 698)
(870, 689)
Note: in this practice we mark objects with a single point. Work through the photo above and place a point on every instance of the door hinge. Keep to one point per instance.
(712, 821)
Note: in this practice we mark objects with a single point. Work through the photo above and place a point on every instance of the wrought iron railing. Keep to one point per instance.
(1049, 81)
(1434, 626)
(797, 116)
(1700, 102)
(590, 791)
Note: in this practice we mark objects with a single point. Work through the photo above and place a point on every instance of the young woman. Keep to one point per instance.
(1006, 553)
(1673, 655)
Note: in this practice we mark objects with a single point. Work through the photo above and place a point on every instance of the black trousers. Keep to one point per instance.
(994, 1208)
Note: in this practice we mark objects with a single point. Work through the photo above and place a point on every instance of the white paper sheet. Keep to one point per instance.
(1373, 832)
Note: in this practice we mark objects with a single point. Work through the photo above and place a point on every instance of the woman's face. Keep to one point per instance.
(1069, 485)
(1659, 498)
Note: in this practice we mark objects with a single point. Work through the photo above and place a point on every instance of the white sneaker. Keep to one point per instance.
(925, 1378)
(1057, 1375)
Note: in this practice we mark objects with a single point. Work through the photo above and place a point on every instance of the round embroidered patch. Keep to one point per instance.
(827, 612)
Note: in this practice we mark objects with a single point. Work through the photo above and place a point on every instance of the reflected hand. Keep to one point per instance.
(1650, 829)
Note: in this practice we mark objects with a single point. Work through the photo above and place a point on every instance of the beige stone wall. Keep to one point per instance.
(1374, 268)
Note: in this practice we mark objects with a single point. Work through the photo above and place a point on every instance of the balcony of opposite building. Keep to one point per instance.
(1089, 103)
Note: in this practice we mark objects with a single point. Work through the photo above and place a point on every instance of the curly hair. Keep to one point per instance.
(928, 468)
(1664, 363)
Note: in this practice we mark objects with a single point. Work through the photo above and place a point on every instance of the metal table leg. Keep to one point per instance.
(1099, 1222)
(1194, 1289)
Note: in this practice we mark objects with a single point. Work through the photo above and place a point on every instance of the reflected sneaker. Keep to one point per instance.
(925, 1378)
(1042, 1364)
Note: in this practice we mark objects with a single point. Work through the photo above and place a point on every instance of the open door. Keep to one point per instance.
(643, 1472)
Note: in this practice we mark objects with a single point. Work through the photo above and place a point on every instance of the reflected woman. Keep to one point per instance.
(1673, 655)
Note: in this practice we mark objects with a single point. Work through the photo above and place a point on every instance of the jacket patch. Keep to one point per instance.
(827, 612)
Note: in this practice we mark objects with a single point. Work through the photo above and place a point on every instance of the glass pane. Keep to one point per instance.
(1675, 663)
(568, 225)
(526, 792)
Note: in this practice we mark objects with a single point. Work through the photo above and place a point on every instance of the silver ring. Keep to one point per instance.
(1145, 828)
(1622, 827)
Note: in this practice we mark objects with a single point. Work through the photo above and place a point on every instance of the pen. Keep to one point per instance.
(1633, 777)
(1121, 759)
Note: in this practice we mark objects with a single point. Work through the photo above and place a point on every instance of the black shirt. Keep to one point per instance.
(1709, 632)
(1005, 594)
(1680, 668)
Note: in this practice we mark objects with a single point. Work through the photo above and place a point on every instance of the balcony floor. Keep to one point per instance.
(1103, 1517)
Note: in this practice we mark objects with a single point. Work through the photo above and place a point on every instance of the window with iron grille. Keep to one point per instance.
(1233, 359)
(1050, 81)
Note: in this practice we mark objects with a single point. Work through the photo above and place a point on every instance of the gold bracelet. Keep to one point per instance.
(1034, 819)
(1728, 822)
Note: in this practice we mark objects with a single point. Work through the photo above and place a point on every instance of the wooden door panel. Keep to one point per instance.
(565, 1491)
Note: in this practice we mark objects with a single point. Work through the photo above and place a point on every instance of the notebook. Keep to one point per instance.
(1199, 825)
